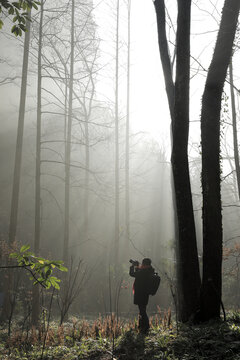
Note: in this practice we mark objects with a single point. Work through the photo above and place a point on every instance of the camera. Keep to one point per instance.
(134, 262)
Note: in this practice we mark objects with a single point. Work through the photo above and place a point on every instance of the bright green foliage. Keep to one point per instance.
(18, 11)
(40, 269)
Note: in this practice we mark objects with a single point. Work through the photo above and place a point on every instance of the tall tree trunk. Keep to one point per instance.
(127, 195)
(86, 178)
(178, 98)
(18, 163)
(235, 132)
(210, 137)
(87, 109)
(35, 301)
(116, 228)
(68, 145)
(19, 145)
(188, 268)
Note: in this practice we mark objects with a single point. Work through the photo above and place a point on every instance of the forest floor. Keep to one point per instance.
(95, 341)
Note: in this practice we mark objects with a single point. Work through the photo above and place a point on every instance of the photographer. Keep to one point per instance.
(142, 276)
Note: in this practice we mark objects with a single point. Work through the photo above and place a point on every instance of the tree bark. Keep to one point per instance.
(188, 268)
(178, 98)
(211, 172)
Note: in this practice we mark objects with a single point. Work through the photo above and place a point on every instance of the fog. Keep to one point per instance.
(92, 186)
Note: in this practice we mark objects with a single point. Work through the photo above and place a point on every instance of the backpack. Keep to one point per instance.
(154, 283)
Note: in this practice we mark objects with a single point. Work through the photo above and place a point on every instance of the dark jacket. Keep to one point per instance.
(140, 286)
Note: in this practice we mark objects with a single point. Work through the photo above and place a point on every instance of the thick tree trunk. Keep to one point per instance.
(188, 268)
(210, 132)
(178, 97)
(35, 302)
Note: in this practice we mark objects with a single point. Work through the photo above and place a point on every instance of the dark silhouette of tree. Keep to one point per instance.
(211, 172)
(178, 98)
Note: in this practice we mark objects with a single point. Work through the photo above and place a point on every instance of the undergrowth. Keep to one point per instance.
(113, 338)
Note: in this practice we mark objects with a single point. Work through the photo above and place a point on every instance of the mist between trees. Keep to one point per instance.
(83, 185)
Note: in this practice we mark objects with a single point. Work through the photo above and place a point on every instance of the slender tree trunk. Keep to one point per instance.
(35, 302)
(116, 243)
(178, 98)
(86, 180)
(68, 145)
(87, 108)
(235, 132)
(17, 166)
(19, 145)
(210, 137)
(127, 195)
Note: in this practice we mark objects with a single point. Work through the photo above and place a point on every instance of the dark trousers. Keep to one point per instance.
(143, 318)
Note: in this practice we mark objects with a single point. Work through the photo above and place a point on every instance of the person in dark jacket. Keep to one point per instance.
(140, 289)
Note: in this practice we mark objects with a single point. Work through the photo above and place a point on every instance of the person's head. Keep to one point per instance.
(146, 262)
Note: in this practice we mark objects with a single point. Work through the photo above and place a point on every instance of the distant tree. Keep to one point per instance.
(68, 139)
(127, 156)
(36, 301)
(18, 160)
(117, 186)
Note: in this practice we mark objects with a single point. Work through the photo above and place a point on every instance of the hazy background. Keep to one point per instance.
(151, 210)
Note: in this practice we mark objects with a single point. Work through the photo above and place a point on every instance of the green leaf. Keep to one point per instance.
(63, 268)
(14, 30)
(24, 248)
(54, 281)
(11, 11)
(35, 6)
(13, 255)
(48, 284)
(16, 4)
(48, 273)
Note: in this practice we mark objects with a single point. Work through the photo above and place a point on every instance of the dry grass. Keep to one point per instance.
(108, 327)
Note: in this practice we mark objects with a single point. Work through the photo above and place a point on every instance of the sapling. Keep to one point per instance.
(40, 269)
